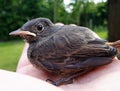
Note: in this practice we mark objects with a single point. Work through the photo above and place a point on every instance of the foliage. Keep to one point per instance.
(89, 11)
(14, 13)
(101, 14)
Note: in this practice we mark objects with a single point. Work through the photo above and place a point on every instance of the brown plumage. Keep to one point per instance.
(66, 50)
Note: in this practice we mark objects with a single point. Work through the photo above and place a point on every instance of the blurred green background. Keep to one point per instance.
(10, 53)
(14, 13)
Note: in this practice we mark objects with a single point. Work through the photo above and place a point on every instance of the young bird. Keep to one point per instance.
(66, 50)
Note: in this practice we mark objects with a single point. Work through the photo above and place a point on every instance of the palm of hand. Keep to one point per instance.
(98, 80)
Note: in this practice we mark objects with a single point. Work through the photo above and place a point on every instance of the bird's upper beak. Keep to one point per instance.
(21, 32)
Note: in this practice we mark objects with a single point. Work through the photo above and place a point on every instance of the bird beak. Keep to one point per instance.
(21, 32)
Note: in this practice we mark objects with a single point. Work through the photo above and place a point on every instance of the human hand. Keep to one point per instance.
(104, 78)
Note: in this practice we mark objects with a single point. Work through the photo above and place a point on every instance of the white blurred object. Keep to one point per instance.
(59, 23)
(73, 25)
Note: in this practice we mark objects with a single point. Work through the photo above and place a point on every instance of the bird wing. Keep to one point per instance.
(79, 49)
(73, 41)
(76, 41)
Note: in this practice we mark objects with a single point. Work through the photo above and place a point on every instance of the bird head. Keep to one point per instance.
(34, 29)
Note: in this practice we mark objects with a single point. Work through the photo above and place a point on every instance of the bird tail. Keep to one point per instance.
(115, 44)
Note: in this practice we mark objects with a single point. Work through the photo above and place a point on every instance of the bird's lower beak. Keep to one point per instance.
(21, 32)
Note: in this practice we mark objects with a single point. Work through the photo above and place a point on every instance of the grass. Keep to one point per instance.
(101, 31)
(10, 51)
(9, 54)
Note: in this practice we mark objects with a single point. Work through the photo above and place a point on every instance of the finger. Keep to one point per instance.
(23, 59)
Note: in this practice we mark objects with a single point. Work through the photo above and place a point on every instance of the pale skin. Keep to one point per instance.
(104, 78)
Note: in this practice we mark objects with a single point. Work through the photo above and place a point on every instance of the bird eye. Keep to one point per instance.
(40, 27)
